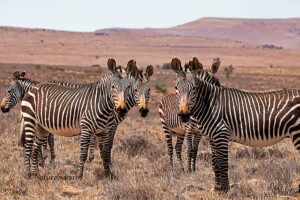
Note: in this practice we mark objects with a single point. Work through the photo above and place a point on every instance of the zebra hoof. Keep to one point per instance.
(80, 176)
(110, 175)
(52, 163)
(90, 159)
(42, 164)
(221, 190)
(28, 175)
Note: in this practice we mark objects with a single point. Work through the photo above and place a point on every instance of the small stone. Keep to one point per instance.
(192, 188)
(69, 190)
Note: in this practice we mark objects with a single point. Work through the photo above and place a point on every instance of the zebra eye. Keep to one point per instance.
(113, 86)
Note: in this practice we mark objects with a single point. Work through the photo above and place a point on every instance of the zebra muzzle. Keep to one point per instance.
(122, 111)
(184, 116)
(4, 108)
(144, 111)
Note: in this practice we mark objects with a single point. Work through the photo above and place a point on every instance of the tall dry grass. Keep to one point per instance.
(140, 165)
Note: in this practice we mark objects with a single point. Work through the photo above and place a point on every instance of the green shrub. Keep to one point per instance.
(167, 66)
(161, 88)
(55, 68)
(37, 66)
(228, 71)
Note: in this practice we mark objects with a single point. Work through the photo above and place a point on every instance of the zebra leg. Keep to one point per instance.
(20, 143)
(219, 149)
(42, 156)
(178, 148)
(110, 142)
(189, 138)
(85, 139)
(196, 141)
(215, 167)
(104, 153)
(40, 139)
(92, 149)
(51, 145)
(30, 132)
(168, 136)
(295, 136)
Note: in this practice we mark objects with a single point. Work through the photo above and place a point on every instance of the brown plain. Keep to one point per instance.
(139, 157)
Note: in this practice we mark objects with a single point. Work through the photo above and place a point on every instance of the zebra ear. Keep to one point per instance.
(195, 65)
(130, 66)
(215, 66)
(16, 75)
(23, 74)
(134, 72)
(111, 63)
(149, 71)
(176, 65)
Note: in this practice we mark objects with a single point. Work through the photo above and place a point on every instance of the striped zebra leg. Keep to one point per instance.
(189, 139)
(85, 139)
(51, 145)
(29, 136)
(92, 149)
(104, 153)
(295, 136)
(168, 136)
(196, 141)
(219, 147)
(110, 141)
(40, 138)
(178, 148)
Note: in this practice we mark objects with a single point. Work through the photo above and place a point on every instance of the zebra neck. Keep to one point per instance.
(206, 102)
(27, 84)
(131, 101)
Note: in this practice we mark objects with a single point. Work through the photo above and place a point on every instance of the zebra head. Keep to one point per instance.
(188, 83)
(185, 84)
(15, 92)
(120, 85)
(141, 89)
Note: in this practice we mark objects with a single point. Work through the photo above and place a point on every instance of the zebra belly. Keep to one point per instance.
(65, 131)
(257, 142)
(178, 130)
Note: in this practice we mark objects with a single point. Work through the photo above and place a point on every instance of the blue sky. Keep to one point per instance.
(90, 15)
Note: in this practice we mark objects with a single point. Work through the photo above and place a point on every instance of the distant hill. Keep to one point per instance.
(278, 32)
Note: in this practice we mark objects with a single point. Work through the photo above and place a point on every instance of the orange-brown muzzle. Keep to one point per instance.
(143, 106)
(4, 105)
(184, 113)
(121, 106)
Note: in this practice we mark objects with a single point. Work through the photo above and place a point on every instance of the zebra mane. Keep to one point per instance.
(27, 80)
(208, 77)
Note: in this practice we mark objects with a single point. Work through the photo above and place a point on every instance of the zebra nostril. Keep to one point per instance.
(144, 111)
(122, 112)
(4, 110)
(185, 117)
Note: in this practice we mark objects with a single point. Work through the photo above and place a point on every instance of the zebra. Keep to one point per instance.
(172, 125)
(16, 90)
(66, 111)
(138, 95)
(223, 114)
